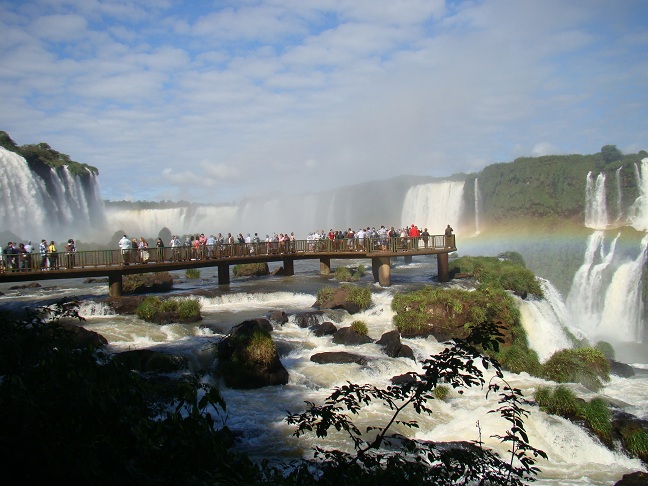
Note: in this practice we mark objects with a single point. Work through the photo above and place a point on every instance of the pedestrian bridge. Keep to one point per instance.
(116, 263)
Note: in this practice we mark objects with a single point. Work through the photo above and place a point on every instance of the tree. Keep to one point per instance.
(611, 153)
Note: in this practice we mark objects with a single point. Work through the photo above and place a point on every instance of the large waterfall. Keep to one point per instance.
(434, 206)
(63, 206)
(605, 299)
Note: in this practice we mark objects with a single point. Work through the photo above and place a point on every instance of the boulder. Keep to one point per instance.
(308, 319)
(79, 337)
(338, 357)
(621, 369)
(338, 299)
(31, 285)
(251, 270)
(402, 379)
(264, 324)
(146, 283)
(280, 317)
(324, 329)
(248, 358)
(147, 360)
(391, 342)
(638, 478)
(349, 337)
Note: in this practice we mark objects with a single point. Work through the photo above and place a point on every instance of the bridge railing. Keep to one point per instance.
(37, 262)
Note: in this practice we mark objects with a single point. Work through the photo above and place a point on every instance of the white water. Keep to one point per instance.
(477, 199)
(71, 209)
(258, 415)
(595, 202)
(180, 221)
(619, 207)
(638, 213)
(434, 206)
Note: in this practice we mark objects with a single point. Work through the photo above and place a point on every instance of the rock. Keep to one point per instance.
(96, 280)
(349, 337)
(308, 319)
(80, 337)
(147, 360)
(626, 427)
(248, 358)
(31, 285)
(338, 299)
(324, 329)
(146, 283)
(264, 324)
(251, 270)
(391, 342)
(621, 369)
(638, 478)
(280, 317)
(521, 293)
(338, 357)
(402, 379)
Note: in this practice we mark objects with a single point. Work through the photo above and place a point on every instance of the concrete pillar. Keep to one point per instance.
(115, 284)
(442, 267)
(408, 259)
(223, 274)
(381, 269)
(325, 266)
(289, 267)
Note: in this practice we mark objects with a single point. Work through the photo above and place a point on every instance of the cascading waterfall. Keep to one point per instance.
(623, 302)
(477, 198)
(595, 202)
(434, 206)
(619, 207)
(70, 207)
(638, 213)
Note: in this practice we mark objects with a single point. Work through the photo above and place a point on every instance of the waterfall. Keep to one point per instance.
(434, 206)
(477, 198)
(584, 301)
(622, 314)
(619, 207)
(544, 321)
(61, 207)
(638, 213)
(595, 202)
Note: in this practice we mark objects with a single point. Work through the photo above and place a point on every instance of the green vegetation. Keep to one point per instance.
(154, 309)
(91, 420)
(261, 348)
(360, 327)
(519, 359)
(324, 294)
(346, 274)
(562, 401)
(587, 366)
(441, 392)
(637, 444)
(361, 296)
(38, 155)
(147, 282)
(508, 274)
(250, 269)
(192, 273)
(605, 348)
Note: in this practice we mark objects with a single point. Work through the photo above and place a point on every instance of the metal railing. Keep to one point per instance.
(38, 262)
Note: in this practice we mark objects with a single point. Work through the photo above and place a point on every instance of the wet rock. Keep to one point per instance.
(280, 317)
(308, 319)
(349, 337)
(338, 357)
(393, 347)
(147, 360)
(621, 369)
(638, 478)
(324, 329)
(31, 285)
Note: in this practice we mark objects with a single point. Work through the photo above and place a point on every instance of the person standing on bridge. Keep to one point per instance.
(449, 237)
(52, 255)
(125, 247)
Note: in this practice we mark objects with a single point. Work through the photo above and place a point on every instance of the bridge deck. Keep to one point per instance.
(85, 264)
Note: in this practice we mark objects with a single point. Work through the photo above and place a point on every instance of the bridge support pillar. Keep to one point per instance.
(115, 285)
(381, 269)
(289, 267)
(408, 259)
(223, 274)
(443, 267)
(325, 266)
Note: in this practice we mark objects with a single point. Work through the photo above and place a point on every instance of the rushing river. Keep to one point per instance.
(257, 416)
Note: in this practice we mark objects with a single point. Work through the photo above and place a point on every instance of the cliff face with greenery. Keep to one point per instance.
(41, 157)
(551, 186)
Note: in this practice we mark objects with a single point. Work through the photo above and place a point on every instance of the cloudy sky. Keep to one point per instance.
(215, 101)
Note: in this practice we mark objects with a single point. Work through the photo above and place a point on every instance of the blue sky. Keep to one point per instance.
(215, 101)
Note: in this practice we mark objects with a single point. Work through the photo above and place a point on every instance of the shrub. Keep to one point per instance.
(360, 327)
(361, 296)
(148, 308)
(441, 392)
(343, 274)
(597, 414)
(189, 308)
(637, 444)
(192, 273)
(325, 294)
(508, 274)
(261, 348)
(517, 359)
(587, 366)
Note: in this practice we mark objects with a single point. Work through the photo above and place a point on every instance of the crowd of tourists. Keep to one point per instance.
(24, 256)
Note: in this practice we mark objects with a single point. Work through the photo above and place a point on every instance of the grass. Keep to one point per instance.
(192, 273)
(261, 349)
(587, 366)
(152, 307)
(360, 327)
